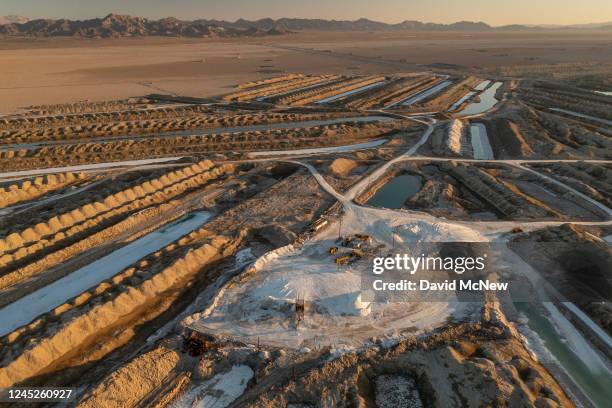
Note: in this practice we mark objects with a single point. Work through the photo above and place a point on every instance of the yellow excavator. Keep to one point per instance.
(343, 260)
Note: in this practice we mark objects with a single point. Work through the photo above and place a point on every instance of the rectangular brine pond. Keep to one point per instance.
(583, 365)
(45, 299)
(480, 142)
(396, 191)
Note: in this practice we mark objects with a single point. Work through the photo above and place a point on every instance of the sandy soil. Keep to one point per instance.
(66, 70)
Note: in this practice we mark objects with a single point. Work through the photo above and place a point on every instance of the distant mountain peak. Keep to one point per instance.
(120, 25)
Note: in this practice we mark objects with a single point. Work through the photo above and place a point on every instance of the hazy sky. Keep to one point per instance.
(495, 12)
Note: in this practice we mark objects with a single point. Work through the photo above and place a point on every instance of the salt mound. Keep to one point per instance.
(346, 304)
(140, 376)
(328, 290)
(454, 136)
(342, 166)
(262, 306)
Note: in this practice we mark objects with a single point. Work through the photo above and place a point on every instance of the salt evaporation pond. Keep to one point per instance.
(27, 308)
(487, 101)
(395, 193)
(480, 87)
(593, 381)
(480, 142)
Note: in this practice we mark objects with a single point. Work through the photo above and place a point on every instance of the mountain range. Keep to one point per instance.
(593, 26)
(115, 25)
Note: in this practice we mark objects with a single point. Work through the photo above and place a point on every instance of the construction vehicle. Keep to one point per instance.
(320, 223)
(357, 253)
(343, 260)
(333, 250)
(364, 237)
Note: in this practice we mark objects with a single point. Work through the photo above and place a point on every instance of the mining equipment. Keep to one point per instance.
(343, 260)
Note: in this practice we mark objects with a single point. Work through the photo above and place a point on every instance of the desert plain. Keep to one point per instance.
(57, 70)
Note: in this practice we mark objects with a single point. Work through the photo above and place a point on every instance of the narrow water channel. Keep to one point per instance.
(84, 167)
(352, 92)
(425, 94)
(582, 115)
(594, 382)
(211, 131)
(464, 98)
(45, 299)
(305, 88)
(314, 150)
(396, 191)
